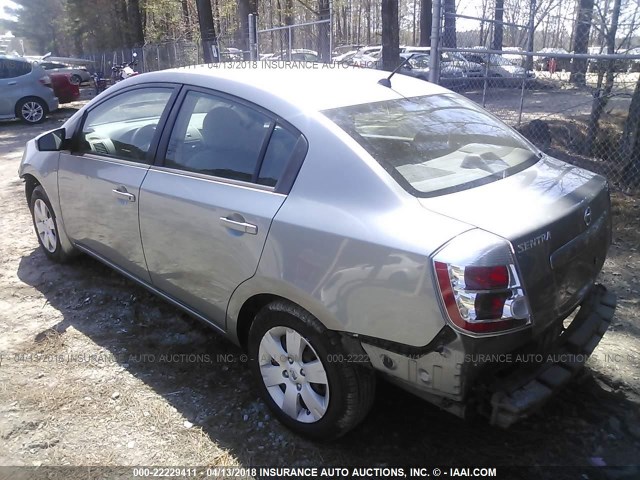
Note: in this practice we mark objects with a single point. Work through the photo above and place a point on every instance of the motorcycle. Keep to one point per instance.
(124, 71)
(99, 82)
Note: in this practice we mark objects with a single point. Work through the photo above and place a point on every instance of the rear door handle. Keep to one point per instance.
(124, 195)
(240, 226)
(12, 83)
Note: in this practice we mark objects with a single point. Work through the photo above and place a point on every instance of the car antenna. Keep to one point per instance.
(386, 82)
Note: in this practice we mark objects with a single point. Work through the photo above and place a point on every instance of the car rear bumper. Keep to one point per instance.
(449, 374)
(53, 104)
(522, 392)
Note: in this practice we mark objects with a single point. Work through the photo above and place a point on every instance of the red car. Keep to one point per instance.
(63, 88)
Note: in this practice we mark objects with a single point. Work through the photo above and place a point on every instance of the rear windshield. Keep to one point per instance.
(435, 144)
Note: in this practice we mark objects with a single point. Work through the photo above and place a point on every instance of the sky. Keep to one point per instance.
(5, 3)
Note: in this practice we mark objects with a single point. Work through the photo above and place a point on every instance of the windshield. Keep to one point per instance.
(436, 144)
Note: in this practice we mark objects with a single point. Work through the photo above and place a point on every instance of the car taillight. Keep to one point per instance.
(46, 81)
(479, 284)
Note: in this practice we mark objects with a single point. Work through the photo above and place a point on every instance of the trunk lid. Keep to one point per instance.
(556, 217)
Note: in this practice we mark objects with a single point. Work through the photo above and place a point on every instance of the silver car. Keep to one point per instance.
(25, 91)
(77, 74)
(360, 232)
(417, 65)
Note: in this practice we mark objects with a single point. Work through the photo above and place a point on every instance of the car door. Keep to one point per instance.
(10, 84)
(205, 211)
(99, 180)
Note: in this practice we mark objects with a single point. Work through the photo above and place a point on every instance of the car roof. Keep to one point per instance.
(313, 87)
(13, 57)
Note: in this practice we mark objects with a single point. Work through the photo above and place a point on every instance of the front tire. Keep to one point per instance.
(46, 226)
(304, 373)
(31, 110)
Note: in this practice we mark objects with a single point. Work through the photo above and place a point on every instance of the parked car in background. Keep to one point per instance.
(297, 55)
(514, 55)
(65, 88)
(501, 72)
(452, 61)
(231, 54)
(367, 57)
(25, 90)
(544, 63)
(345, 58)
(77, 74)
(371, 229)
(342, 49)
(417, 65)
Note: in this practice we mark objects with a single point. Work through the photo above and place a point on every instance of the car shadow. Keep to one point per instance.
(209, 384)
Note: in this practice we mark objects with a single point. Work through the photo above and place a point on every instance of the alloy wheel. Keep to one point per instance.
(32, 112)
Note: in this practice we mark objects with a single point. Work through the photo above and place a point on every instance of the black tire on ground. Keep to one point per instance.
(42, 211)
(75, 79)
(351, 385)
(32, 110)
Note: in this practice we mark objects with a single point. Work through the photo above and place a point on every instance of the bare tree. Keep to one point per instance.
(207, 31)
(135, 22)
(390, 34)
(426, 17)
(581, 41)
(449, 37)
(498, 28)
(600, 101)
(630, 144)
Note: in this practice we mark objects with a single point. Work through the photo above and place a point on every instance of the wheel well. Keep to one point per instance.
(30, 183)
(19, 102)
(248, 312)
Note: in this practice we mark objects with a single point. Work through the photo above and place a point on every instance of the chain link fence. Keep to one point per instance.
(303, 42)
(582, 108)
(579, 107)
(149, 58)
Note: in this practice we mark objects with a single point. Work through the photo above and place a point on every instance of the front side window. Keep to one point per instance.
(216, 136)
(125, 126)
(13, 68)
(436, 144)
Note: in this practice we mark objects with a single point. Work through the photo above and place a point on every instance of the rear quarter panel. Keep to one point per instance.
(351, 246)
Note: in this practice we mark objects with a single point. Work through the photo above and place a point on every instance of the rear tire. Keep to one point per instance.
(304, 374)
(32, 110)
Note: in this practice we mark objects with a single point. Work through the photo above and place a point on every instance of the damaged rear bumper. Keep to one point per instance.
(521, 393)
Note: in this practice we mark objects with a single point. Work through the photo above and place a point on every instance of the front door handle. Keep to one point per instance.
(124, 195)
(239, 226)
(12, 83)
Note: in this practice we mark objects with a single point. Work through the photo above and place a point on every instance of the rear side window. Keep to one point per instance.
(278, 154)
(13, 68)
(216, 136)
(436, 144)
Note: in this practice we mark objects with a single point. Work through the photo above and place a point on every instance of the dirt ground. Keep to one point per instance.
(96, 371)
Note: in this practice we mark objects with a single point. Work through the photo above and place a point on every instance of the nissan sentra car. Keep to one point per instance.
(381, 227)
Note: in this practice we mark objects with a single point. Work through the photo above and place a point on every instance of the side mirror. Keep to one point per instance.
(53, 141)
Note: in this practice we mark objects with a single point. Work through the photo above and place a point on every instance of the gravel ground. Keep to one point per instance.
(96, 371)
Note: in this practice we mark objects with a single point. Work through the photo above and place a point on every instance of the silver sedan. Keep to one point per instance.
(340, 227)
